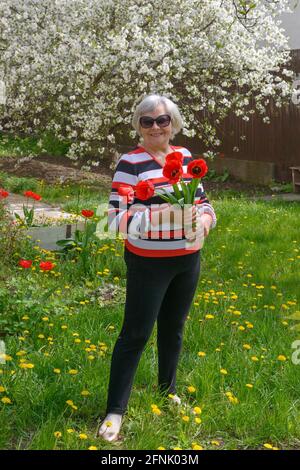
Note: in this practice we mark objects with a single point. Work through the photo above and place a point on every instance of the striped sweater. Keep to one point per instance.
(134, 218)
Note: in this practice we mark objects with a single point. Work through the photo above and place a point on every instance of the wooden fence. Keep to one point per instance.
(277, 142)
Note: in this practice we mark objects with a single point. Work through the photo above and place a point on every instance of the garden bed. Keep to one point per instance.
(64, 170)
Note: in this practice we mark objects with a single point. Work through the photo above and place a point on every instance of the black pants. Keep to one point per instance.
(159, 289)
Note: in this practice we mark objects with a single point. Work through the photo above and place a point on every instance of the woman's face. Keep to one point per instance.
(156, 136)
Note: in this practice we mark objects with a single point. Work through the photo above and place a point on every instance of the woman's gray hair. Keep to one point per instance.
(149, 103)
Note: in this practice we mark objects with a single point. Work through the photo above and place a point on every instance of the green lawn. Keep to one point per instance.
(249, 285)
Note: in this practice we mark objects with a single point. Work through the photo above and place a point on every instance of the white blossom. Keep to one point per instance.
(79, 68)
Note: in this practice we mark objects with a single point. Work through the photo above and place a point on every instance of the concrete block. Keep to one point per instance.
(245, 170)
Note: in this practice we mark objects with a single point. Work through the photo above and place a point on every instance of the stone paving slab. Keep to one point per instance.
(14, 203)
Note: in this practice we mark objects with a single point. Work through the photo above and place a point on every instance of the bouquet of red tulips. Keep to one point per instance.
(173, 171)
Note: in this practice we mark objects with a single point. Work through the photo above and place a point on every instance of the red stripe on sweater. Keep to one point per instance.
(160, 253)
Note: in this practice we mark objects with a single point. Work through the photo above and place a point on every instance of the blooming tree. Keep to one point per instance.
(79, 67)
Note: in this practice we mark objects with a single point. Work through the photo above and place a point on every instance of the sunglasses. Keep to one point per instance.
(162, 121)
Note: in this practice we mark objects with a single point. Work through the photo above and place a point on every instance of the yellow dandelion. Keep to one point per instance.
(85, 393)
(201, 354)
(93, 448)
(21, 353)
(268, 446)
(6, 401)
(249, 385)
(26, 366)
(191, 389)
(161, 448)
(198, 420)
(73, 371)
(57, 434)
(83, 436)
(6, 357)
(215, 443)
(2, 389)
(185, 418)
(246, 346)
(197, 410)
(197, 447)
(56, 371)
(281, 357)
(233, 400)
(223, 371)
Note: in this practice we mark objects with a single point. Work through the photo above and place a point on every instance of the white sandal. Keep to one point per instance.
(105, 434)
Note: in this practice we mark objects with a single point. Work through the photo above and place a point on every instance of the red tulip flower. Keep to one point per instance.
(32, 195)
(87, 213)
(197, 168)
(144, 190)
(174, 156)
(46, 265)
(37, 197)
(3, 193)
(25, 263)
(173, 171)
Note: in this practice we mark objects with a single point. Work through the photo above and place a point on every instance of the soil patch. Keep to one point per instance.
(61, 169)
(56, 170)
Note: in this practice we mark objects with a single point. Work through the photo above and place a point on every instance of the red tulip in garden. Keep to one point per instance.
(87, 213)
(3, 193)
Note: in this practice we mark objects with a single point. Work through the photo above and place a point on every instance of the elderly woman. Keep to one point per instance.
(162, 271)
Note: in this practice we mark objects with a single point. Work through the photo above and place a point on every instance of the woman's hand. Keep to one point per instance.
(201, 222)
(206, 219)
